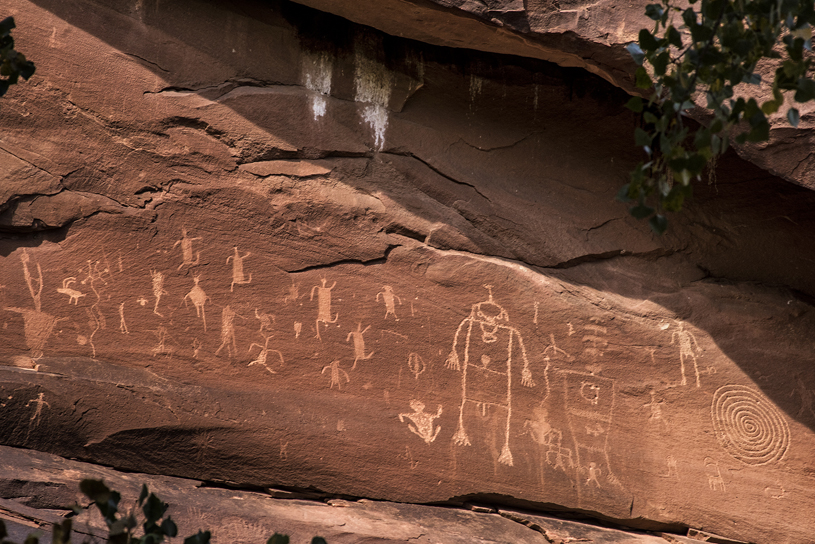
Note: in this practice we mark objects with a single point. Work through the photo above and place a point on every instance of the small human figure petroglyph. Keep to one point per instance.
(336, 371)
(142, 301)
(196, 347)
(158, 289)
(422, 422)
(73, 294)
(238, 274)
(186, 250)
(359, 344)
(714, 476)
(263, 355)
(408, 456)
(298, 328)
(688, 348)
(673, 471)
(228, 332)
(39, 401)
(480, 332)
(554, 349)
(323, 305)
(266, 321)
(284, 450)
(294, 293)
(416, 365)
(389, 298)
(122, 323)
(161, 348)
(198, 298)
(656, 410)
(562, 456)
(594, 472)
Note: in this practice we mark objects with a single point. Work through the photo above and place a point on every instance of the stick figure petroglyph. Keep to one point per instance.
(73, 294)
(416, 365)
(39, 401)
(323, 305)
(186, 250)
(359, 344)
(688, 347)
(562, 456)
(238, 275)
(714, 476)
(422, 422)
(487, 365)
(198, 298)
(122, 323)
(158, 289)
(594, 472)
(228, 331)
(263, 355)
(335, 374)
(389, 298)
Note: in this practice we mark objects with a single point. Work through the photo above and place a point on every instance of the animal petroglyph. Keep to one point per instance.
(238, 274)
(714, 476)
(187, 251)
(688, 347)
(748, 426)
(73, 294)
(416, 365)
(157, 279)
(589, 407)
(336, 373)
(389, 298)
(323, 305)
(264, 354)
(486, 365)
(422, 423)
(359, 344)
(228, 332)
(198, 298)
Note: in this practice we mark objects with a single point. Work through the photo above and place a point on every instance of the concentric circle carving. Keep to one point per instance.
(748, 426)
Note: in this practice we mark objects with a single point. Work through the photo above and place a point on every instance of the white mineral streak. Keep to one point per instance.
(317, 78)
(373, 89)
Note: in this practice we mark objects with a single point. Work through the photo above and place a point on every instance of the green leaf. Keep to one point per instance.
(143, 494)
(647, 41)
(318, 540)
(95, 490)
(642, 138)
(793, 116)
(634, 104)
(654, 11)
(642, 79)
(202, 537)
(636, 52)
(277, 538)
(153, 509)
(622, 194)
(169, 528)
(6, 25)
(3, 532)
(674, 38)
(659, 224)
(641, 211)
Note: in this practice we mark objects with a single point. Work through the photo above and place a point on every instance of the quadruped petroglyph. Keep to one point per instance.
(485, 361)
(73, 294)
(715, 482)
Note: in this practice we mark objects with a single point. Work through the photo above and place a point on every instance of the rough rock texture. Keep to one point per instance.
(36, 490)
(253, 243)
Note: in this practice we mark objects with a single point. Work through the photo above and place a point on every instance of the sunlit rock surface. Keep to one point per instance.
(258, 244)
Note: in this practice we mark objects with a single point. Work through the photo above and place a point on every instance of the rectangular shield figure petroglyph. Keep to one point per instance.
(186, 250)
(422, 423)
(323, 304)
(487, 350)
(589, 403)
(389, 298)
(359, 344)
(238, 274)
(335, 374)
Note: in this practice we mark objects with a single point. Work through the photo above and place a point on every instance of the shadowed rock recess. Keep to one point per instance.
(258, 245)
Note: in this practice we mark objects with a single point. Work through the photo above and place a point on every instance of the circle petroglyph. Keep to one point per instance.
(748, 426)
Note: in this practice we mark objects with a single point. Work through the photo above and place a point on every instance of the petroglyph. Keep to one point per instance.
(335, 375)
(359, 344)
(806, 396)
(557, 456)
(688, 347)
(594, 471)
(408, 456)
(589, 403)
(264, 354)
(673, 471)
(284, 450)
(73, 294)
(389, 298)
(40, 402)
(238, 274)
(487, 367)
(34, 284)
(416, 365)
(157, 279)
(266, 321)
(323, 305)
(776, 492)
(161, 347)
(228, 332)
(122, 323)
(422, 423)
(96, 318)
(37, 325)
(196, 347)
(748, 426)
(714, 476)
(293, 294)
(535, 319)
(298, 328)
(655, 407)
(198, 298)
(594, 340)
(187, 251)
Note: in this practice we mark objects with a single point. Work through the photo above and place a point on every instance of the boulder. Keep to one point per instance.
(262, 245)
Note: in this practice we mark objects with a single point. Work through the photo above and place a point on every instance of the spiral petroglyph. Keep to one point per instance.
(748, 426)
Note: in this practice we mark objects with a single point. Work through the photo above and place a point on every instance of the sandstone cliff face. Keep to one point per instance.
(256, 243)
